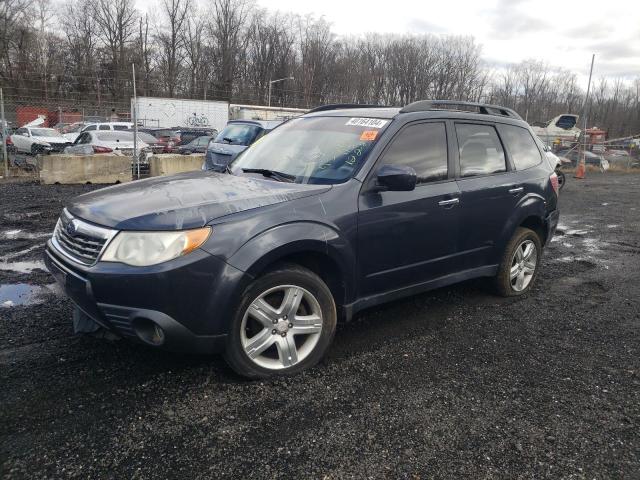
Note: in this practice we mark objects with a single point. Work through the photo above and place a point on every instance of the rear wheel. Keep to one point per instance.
(561, 178)
(519, 266)
(285, 323)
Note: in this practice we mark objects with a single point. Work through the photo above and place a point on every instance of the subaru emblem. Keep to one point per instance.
(71, 228)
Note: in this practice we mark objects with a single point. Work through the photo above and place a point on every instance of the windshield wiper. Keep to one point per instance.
(228, 140)
(281, 177)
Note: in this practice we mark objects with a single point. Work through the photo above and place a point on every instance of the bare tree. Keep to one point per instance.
(227, 29)
(170, 41)
(116, 21)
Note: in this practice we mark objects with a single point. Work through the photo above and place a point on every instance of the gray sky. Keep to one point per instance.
(560, 32)
(564, 33)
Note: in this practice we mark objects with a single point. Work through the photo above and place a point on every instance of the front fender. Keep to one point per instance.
(297, 238)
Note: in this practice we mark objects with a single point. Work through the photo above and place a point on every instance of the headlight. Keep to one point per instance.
(150, 248)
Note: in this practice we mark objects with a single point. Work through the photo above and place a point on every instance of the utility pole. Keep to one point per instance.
(581, 167)
(271, 82)
(134, 115)
(5, 157)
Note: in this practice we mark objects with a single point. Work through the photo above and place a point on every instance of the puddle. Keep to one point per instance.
(15, 294)
(9, 256)
(23, 267)
(21, 234)
(20, 216)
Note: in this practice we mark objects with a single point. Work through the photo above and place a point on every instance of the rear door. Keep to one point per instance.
(408, 238)
(489, 192)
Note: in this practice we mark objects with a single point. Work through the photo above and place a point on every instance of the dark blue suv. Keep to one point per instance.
(336, 211)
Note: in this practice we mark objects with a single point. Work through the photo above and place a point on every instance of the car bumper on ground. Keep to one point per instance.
(182, 305)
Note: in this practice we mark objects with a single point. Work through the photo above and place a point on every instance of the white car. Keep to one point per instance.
(37, 140)
(105, 142)
(100, 127)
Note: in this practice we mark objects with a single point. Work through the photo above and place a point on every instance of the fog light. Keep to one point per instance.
(149, 332)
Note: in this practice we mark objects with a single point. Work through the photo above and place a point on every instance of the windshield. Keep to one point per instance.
(238, 134)
(44, 132)
(73, 128)
(322, 150)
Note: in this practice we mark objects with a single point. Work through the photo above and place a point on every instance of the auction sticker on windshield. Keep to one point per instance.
(367, 122)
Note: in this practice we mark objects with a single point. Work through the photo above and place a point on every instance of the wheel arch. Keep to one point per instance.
(529, 213)
(314, 246)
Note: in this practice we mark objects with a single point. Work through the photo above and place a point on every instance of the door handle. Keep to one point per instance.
(451, 201)
(515, 190)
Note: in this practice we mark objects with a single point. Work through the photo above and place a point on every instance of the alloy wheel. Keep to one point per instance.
(523, 265)
(281, 327)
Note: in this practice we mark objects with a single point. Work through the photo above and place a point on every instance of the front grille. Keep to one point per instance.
(79, 240)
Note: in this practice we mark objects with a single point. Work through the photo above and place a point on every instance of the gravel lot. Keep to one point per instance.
(453, 383)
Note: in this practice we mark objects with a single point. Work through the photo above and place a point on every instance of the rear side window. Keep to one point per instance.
(90, 128)
(121, 127)
(481, 152)
(423, 147)
(521, 146)
(104, 127)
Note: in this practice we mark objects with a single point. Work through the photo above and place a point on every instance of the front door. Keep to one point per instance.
(408, 238)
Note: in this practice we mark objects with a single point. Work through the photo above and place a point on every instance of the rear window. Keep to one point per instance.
(115, 136)
(521, 146)
(147, 138)
(481, 152)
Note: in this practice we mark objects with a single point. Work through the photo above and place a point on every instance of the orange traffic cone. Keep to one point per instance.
(580, 171)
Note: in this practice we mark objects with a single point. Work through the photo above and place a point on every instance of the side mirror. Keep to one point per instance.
(397, 178)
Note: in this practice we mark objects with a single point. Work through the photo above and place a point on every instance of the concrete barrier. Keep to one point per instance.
(83, 169)
(168, 164)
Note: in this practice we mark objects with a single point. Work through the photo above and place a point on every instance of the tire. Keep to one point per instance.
(516, 274)
(561, 178)
(35, 149)
(261, 337)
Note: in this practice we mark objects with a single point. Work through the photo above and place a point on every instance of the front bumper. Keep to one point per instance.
(191, 298)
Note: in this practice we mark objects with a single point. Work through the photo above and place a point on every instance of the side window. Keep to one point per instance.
(105, 127)
(481, 152)
(423, 147)
(521, 146)
(90, 128)
(120, 127)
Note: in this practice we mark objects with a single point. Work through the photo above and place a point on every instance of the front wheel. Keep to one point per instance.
(285, 323)
(520, 263)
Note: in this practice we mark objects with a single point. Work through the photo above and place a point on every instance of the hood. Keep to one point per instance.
(186, 200)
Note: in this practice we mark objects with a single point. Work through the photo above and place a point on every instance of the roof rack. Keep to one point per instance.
(342, 106)
(483, 108)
